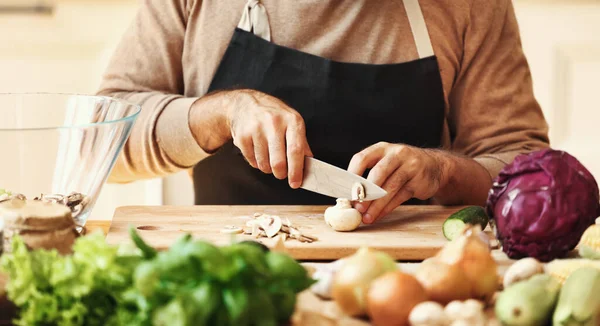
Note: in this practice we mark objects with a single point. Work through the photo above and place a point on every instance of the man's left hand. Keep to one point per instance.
(404, 171)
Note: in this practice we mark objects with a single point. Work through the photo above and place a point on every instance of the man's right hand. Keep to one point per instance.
(270, 134)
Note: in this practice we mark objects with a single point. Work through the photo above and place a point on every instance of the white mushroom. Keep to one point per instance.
(471, 312)
(343, 217)
(428, 313)
(521, 270)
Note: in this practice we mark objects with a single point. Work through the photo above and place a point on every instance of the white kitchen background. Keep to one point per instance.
(64, 45)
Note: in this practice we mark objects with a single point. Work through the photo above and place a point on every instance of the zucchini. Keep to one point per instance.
(455, 223)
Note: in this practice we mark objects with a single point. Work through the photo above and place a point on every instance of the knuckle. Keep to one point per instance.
(359, 157)
(264, 167)
(297, 121)
(296, 117)
(243, 140)
(410, 192)
(279, 165)
(401, 150)
(295, 149)
(251, 126)
(414, 163)
(274, 119)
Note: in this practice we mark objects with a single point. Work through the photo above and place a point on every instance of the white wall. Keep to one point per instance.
(562, 42)
(67, 52)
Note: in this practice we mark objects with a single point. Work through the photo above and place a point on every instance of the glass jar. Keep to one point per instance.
(41, 225)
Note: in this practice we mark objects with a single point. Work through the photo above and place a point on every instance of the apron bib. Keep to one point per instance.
(346, 108)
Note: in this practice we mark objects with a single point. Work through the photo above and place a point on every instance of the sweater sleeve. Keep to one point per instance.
(493, 113)
(146, 69)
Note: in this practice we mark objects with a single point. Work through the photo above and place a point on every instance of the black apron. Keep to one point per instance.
(346, 108)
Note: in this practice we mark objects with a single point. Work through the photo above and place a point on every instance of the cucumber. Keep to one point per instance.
(455, 223)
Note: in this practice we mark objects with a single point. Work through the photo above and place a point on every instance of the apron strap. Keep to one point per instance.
(255, 20)
(418, 27)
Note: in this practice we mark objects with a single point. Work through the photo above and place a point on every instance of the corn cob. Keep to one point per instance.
(589, 245)
(561, 269)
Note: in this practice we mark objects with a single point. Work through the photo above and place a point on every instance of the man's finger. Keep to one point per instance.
(246, 146)
(378, 175)
(402, 196)
(384, 169)
(296, 150)
(261, 152)
(366, 158)
(392, 185)
(277, 155)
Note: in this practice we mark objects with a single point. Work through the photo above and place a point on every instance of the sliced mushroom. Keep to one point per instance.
(358, 192)
(271, 226)
(256, 230)
(230, 229)
(251, 223)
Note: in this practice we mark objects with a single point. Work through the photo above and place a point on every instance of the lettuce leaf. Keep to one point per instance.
(80, 289)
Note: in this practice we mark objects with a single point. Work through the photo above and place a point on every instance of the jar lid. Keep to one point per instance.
(35, 215)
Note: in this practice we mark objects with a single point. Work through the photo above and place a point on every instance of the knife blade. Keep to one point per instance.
(329, 180)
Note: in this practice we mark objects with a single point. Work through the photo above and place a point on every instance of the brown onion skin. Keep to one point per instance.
(392, 297)
(480, 268)
(351, 283)
(443, 282)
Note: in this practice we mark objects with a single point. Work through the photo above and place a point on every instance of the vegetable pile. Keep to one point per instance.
(193, 283)
(541, 203)
(451, 288)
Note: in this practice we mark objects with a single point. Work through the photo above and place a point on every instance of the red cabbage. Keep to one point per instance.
(541, 203)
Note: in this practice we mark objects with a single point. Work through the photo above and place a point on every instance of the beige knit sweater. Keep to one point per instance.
(168, 56)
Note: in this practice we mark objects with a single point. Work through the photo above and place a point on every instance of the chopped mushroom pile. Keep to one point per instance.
(269, 226)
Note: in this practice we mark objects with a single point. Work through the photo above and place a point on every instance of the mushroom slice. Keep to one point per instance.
(252, 223)
(230, 229)
(256, 230)
(271, 226)
(279, 243)
(358, 192)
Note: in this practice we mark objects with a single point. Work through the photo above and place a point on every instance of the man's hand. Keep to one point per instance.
(405, 172)
(270, 134)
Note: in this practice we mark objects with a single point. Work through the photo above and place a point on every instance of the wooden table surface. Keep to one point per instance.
(311, 310)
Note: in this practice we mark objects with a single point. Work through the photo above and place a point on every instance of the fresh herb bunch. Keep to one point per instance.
(193, 283)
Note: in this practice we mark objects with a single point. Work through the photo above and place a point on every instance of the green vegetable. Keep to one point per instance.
(5, 192)
(455, 223)
(529, 302)
(192, 283)
(147, 251)
(81, 289)
(579, 300)
(257, 244)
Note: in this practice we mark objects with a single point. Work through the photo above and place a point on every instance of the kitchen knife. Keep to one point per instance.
(329, 180)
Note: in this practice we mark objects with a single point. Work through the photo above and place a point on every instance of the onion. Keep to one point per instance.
(392, 297)
(443, 282)
(463, 269)
(351, 282)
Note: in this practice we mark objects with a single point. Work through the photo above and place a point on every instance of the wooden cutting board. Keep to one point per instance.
(409, 233)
